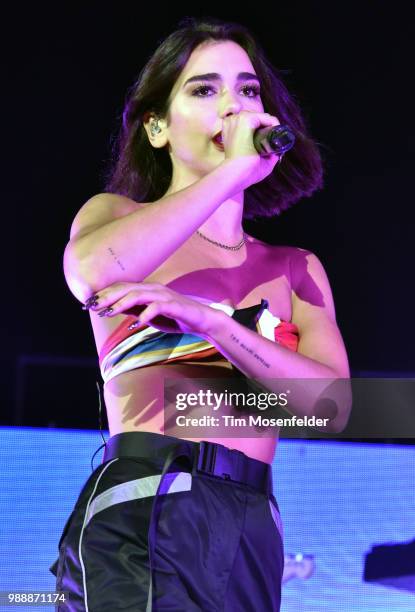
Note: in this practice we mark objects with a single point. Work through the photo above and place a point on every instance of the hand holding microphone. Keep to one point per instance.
(247, 132)
(253, 144)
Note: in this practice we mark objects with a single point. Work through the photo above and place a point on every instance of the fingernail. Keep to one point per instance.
(105, 312)
(134, 325)
(91, 305)
(91, 302)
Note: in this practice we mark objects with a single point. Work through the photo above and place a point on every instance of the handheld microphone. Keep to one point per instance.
(273, 139)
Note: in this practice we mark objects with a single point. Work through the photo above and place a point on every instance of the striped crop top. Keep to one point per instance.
(126, 349)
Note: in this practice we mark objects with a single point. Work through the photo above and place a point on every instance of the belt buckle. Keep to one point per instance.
(216, 460)
(206, 457)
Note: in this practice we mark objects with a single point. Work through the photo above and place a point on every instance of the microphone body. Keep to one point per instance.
(276, 139)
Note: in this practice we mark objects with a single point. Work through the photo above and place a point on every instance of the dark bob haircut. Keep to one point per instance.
(143, 173)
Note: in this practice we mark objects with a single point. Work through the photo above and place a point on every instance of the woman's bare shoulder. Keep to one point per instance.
(119, 204)
(101, 209)
(293, 252)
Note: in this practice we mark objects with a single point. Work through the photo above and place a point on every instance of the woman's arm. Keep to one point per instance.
(104, 250)
(321, 353)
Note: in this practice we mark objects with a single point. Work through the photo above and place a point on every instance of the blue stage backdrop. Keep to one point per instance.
(337, 500)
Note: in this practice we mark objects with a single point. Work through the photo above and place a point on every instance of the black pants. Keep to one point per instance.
(212, 542)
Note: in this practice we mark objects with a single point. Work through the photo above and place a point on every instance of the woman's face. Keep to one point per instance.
(198, 105)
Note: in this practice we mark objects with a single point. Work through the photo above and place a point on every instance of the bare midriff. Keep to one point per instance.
(146, 385)
(135, 399)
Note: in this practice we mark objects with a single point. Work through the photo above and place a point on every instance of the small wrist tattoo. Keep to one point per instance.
(251, 351)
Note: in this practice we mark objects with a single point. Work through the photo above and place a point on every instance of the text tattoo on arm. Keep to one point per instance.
(116, 258)
(251, 351)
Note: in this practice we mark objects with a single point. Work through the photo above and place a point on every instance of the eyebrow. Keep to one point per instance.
(214, 76)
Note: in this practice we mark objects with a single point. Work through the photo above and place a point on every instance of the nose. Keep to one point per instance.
(230, 105)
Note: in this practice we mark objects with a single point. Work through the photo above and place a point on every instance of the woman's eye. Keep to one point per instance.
(201, 91)
(198, 91)
(254, 89)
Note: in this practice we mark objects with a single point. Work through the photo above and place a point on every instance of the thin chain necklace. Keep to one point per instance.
(225, 246)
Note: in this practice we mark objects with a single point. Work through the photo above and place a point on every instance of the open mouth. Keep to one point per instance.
(218, 140)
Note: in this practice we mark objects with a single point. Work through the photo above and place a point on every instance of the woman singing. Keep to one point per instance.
(175, 289)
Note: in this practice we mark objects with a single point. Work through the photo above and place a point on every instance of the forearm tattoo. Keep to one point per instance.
(116, 258)
(249, 350)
